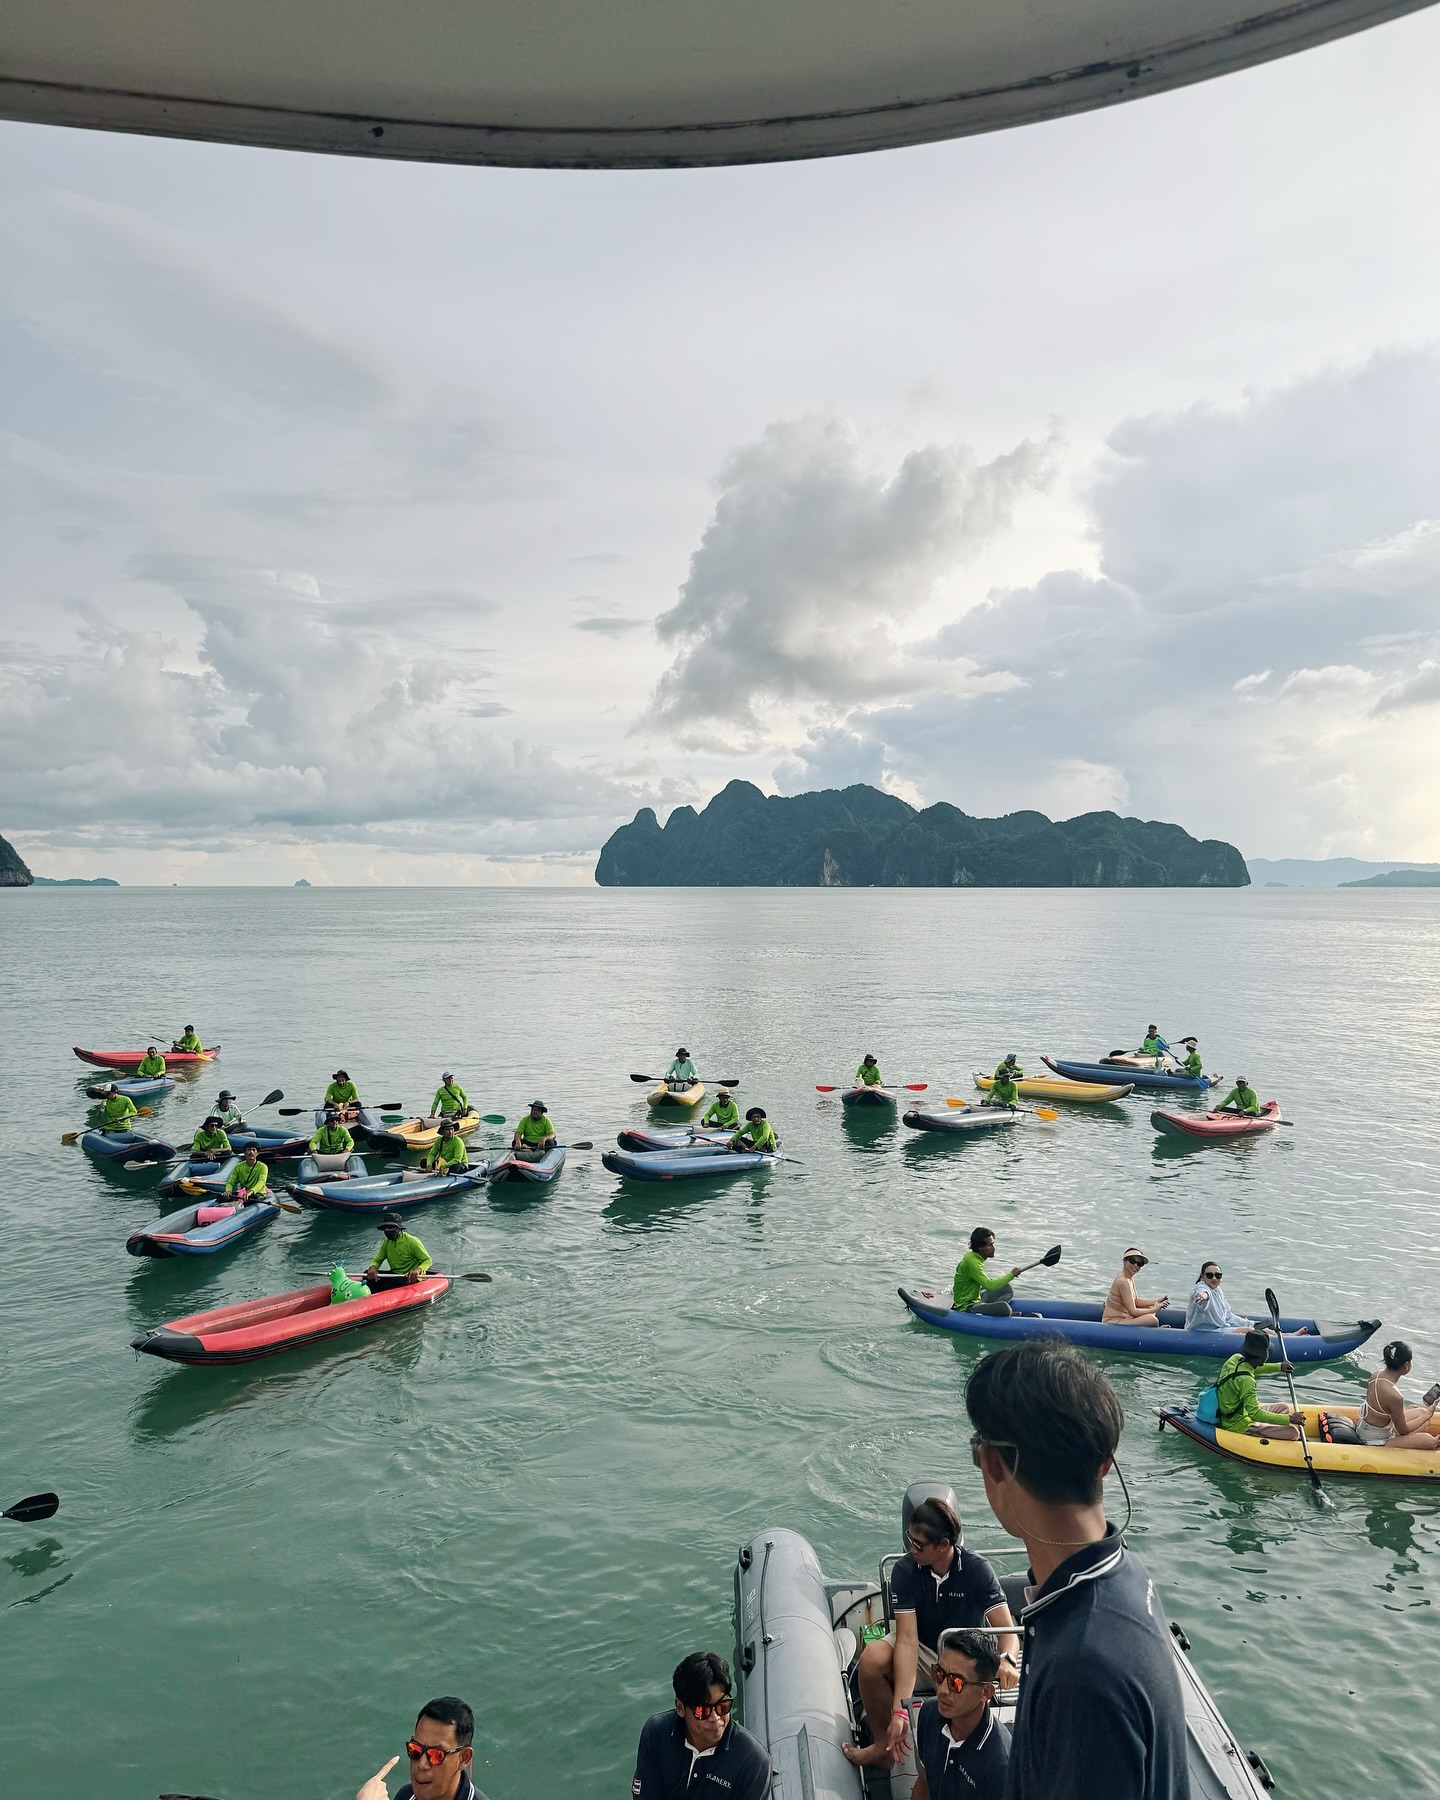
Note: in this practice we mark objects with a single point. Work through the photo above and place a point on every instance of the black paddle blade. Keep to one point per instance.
(480, 1275)
(293, 1112)
(644, 1077)
(38, 1506)
(1272, 1303)
(1051, 1257)
(585, 1145)
(274, 1095)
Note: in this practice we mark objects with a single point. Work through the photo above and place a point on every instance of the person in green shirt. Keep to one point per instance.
(1010, 1069)
(868, 1074)
(249, 1179)
(1003, 1090)
(189, 1043)
(332, 1139)
(723, 1112)
(120, 1109)
(401, 1253)
(1239, 1405)
(448, 1152)
(450, 1097)
(342, 1091)
(227, 1112)
(681, 1073)
(534, 1135)
(1242, 1098)
(210, 1143)
(151, 1063)
(757, 1133)
(974, 1290)
(1194, 1063)
(1154, 1044)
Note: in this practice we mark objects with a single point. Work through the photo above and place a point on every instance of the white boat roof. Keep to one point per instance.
(622, 83)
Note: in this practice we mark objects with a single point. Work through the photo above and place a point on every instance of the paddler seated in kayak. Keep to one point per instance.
(534, 1134)
(1237, 1402)
(936, 1586)
(962, 1752)
(723, 1112)
(332, 1139)
(120, 1109)
(1004, 1089)
(1208, 1309)
(868, 1074)
(1010, 1069)
(1385, 1418)
(1194, 1063)
(1242, 1098)
(1154, 1044)
(974, 1290)
(248, 1180)
(401, 1253)
(152, 1063)
(188, 1042)
(227, 1112)
(681, 1073)
(448, 1152)
(757, 1133)
(342, 1093)
(1123, 1306)
(450, 1098)
(210, 1143)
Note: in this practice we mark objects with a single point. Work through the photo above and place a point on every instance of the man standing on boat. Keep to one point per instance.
(696, 1751)
(1100, 1711)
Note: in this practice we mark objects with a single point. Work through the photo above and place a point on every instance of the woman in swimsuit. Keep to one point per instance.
(1385, 1418)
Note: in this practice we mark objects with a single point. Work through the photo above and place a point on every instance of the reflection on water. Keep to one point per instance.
(36, 1558)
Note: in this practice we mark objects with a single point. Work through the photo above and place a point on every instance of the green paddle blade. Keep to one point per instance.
(493, 1118)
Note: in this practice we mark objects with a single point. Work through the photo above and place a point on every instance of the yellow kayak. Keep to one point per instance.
(420, 1134)
(1053, 1087)
(685, 1096)
(1372, 1460)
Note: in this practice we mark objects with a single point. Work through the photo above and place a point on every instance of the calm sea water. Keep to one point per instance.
(532, 1495)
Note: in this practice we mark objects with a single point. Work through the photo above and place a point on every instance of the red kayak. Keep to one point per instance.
(1215, 1125)
(131, 1059)
(236, 1334)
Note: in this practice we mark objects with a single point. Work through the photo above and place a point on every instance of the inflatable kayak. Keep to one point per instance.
(674, 1137)
(385, 1193)
(665, 1095)
(187, 1233)
(339, 1167)
(271, 1141)
(877, 1096)
(1216, 1127)
(1105, 1070)
(798, 1633)
(131, 1059)
(412, 1134)
(236, 1334)
(1306, 1340)
(965, 1118)
(1052, 1087)
(137, 1087)
(125, 1146)
(1375, 1461)
(700, 1162)
(519, 1168)
(211, 1174)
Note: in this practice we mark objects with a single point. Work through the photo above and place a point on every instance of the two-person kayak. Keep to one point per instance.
(135, 1087)
(200, 1230)
(964, 1120)
(254, 1328)
(1376, 1461)
(385, 1193)
(701, 1162)
(1216, 1127)
(1053, 1087)
(511, 1167)
(125, 1146)
(1106, 1070)
(674, 1137)
(132, 1059)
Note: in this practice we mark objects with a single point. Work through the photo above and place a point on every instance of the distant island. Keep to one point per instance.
(14, 873)
(1330, 871)
(76, 881)
(302, 882)
(1393, 878)
(861, 837)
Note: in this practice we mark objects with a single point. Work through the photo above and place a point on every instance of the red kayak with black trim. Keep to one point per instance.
(1214, 1127)
(132, 1059)
(236, 1334)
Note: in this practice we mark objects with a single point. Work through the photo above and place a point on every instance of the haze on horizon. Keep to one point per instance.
(386, 522)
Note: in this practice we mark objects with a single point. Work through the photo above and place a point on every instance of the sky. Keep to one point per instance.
(378, 522)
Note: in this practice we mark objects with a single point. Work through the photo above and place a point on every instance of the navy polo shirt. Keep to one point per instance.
(668, 1768)
(1100, 1714)
(467, 1789)
(973, 1769)
(963, 1596)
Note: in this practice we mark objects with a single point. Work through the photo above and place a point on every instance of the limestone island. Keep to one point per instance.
(861, 837)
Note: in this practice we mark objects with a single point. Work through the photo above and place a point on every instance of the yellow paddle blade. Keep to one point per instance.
(69, 1137)
(1046, 1112)
(950, 1100)
(191, 1187)
(142, 1112)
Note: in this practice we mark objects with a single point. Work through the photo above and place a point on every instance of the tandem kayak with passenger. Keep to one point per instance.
(674, 1137)
(1054, 1087)
(1328, 1455)
(201, 1229)
(1306, 1340)
(340, 1192)
(798, 1636)
(511, 1167)
(701, 1162)
(960, 1120)
(131, 1059)
(1147, 1078)
(255, 1328)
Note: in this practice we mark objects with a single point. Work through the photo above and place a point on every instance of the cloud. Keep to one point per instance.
(812, 559)
(1420, 689)
(604, 559)
(610, 627)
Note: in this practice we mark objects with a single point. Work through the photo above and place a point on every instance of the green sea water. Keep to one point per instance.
(531, 1495)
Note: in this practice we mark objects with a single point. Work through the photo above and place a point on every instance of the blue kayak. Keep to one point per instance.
(673, 1137)
(181, 1234)
(138, 1087)
(330, 1168)
(1079, 1321)
(519, 1168)
(210, 1173)
(125, 1146)
(269, 1140)
(1156, 1080)
(700, 1162)
(385, 1193)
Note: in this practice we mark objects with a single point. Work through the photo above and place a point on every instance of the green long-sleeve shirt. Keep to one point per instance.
(253, 1177)
(450, 1097)
(533, 1131)
(971, 1281)
(1009, 1072)
(341, 1093)
(868, 1075)
(1238, 1402)
(1248, 1102)
(405, 1255)
(151, 1065)
(724, 1113)
(332, 1140)
(211, 1144)
(119, 1110)
(1004, 1093)
(1194, 1063)
(190, 1044)
(446, 1153)
(759, 1134)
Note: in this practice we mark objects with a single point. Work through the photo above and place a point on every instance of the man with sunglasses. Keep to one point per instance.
(938, 1586)
(440, 1756)
(961, 1750)
(698, 1752)
(1100, 1714)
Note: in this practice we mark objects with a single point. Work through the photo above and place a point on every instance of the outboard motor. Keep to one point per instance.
(919, 1491)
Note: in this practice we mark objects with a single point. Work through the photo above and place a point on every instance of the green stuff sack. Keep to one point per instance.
(342, 1288)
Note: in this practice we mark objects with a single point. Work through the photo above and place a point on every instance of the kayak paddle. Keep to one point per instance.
(914, 1087)
(1047, 1261)
(478, 1275)
(294, 1112)
(726, 1081)
(274, 1095)
(37, 1506)
(1274, 1306)
(1047, 1113)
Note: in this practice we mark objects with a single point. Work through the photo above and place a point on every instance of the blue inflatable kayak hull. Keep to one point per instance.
(125, 1146)
(1079, 1322)
(178, 1234)
(384, 1193)
(137, 1087)
(1152, 1080)
(700, 1163)
(209, 1174)
(635, 1137)
(518, 1168)
(269, 1140)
